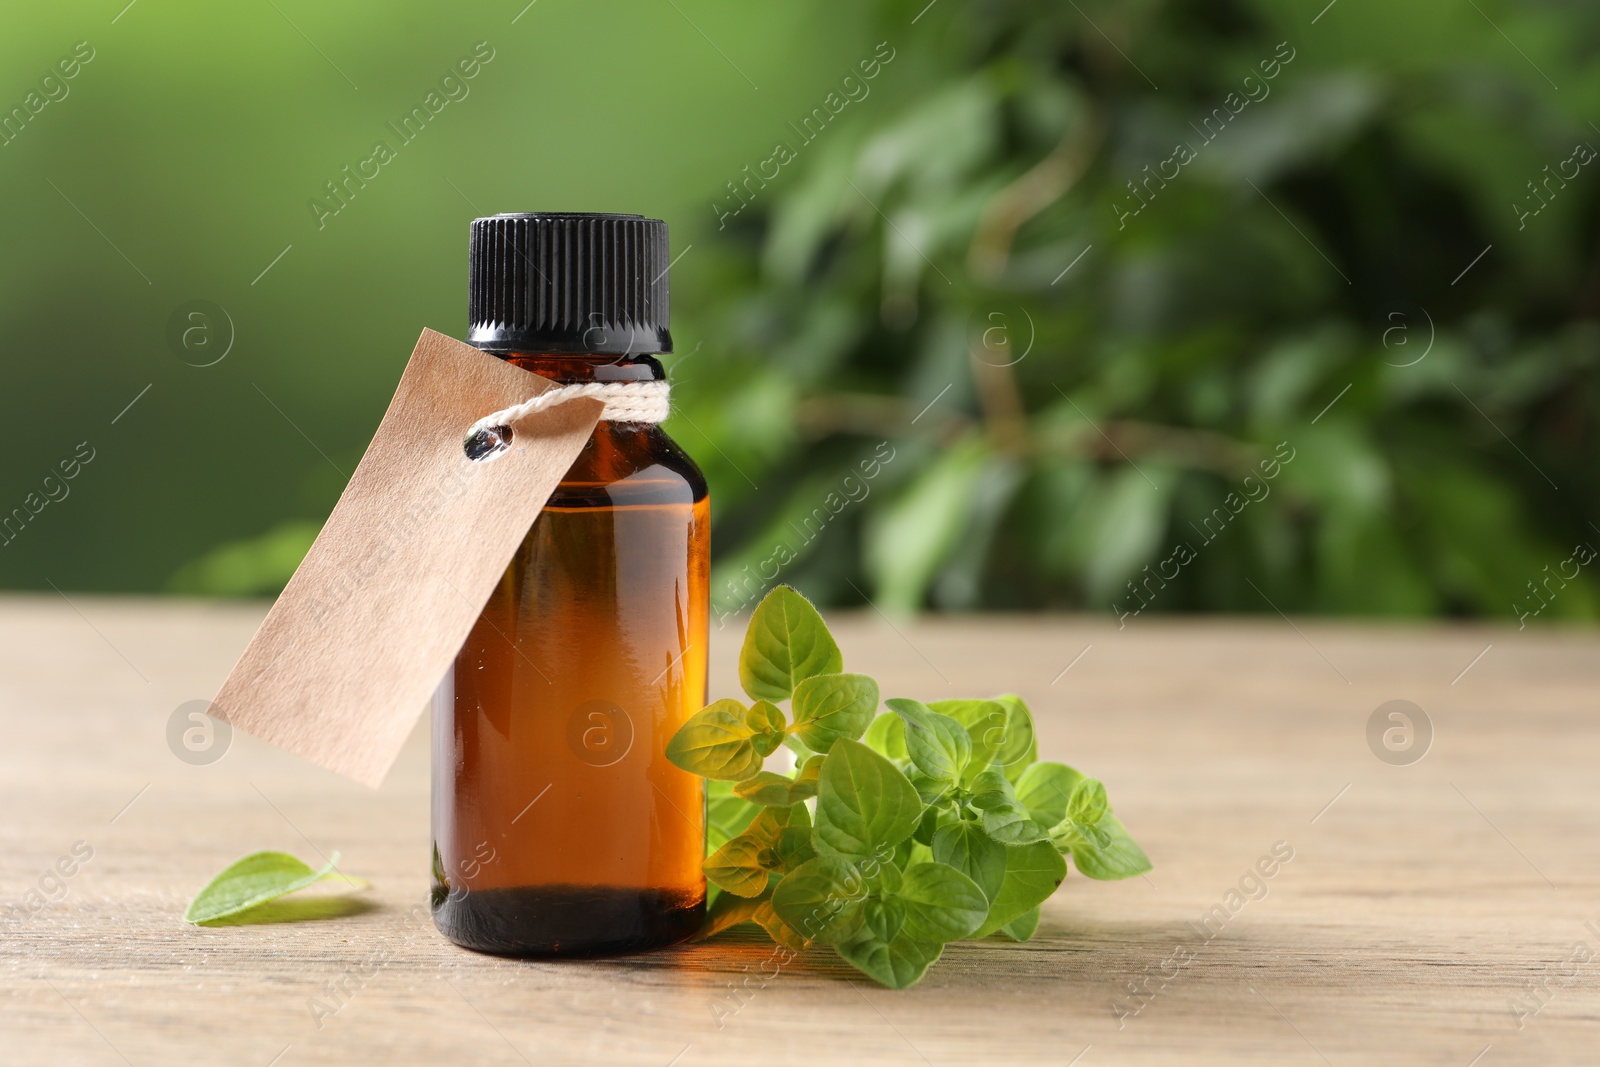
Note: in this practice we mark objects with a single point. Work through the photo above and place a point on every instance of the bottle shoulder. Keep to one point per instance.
(625, 465)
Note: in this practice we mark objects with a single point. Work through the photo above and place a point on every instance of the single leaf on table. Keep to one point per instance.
(1021, 745)
(786, 643)
(254, 880)
(833, 707)
(887, 737)
(821, 900)
(1032, 873)
(897, 964)
(1119, 857)
(941, 903)
(965, 846)
(937, 744)
(1044, 789)
(865, 806)
(716, 742)
(736, 867)
(1022, 927)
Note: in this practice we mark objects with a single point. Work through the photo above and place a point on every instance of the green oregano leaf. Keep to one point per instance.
(933, 791)
(775, 790)
(831, 707)
(765, 788)
(887, 737)
(985, 722)
(1119, 857)
(809, 775)
(908, 852)
(928, 825)
(1044, 789)
(1022, 927)
(1011, 824)
(737, 868)
(1032, 873)
(882, 878)
(991, 789)
(865, 806)
(729, 910)
(1020, 746)
(716, 742)
(883, 918)
(794, 847)
(1088, 804)
(768, 825)
(937, 744)
(1004, 817)
(941, 903)
(767, 726)
(786, 643)
(966, 847)
(727, 814)
(897, 964)
(821, 900)
(777, 929)
(254, 880)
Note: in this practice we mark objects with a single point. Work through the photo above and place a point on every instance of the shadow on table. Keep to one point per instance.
(1095, 955)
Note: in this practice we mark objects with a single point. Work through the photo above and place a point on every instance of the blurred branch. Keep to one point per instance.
(1110, 441)
(1004, 418)
(868, 414)
(1036, 189)
(1114, 440)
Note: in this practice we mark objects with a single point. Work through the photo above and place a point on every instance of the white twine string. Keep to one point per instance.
(625, 402)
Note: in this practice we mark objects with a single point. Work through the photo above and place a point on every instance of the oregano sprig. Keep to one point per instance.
(898, 831)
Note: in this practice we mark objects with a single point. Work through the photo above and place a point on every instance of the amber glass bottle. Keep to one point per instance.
(559, 826)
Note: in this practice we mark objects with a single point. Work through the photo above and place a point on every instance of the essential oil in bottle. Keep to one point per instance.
(559, 826)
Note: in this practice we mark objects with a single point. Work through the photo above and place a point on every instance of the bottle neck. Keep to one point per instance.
(588, 368)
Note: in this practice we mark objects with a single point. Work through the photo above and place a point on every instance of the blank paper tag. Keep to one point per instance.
(378, 609)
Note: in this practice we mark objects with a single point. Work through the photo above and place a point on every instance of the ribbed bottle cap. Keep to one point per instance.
(569, 282)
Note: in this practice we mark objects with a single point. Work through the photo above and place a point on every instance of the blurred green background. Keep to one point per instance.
(1141, 307)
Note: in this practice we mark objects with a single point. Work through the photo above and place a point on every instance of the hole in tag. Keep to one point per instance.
(487, 443)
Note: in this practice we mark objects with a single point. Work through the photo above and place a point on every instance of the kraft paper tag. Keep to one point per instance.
(350, 653)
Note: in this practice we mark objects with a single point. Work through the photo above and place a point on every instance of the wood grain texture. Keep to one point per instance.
(1416, 908)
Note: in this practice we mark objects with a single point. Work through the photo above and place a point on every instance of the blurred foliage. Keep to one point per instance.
(983, 339)
(179, 165)
(1077, 377)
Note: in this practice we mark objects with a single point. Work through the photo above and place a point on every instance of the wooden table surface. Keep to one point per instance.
(1422, 903)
